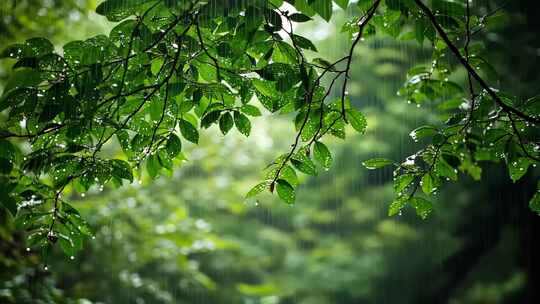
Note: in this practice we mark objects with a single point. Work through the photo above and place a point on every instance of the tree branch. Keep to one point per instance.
(427, 11)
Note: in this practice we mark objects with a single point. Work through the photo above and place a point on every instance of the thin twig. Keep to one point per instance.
(469, 68)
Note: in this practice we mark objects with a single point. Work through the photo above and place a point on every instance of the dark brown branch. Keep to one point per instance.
(146, 98)
(427, 11)
(7, 134)
(205, 49)
(361, 25)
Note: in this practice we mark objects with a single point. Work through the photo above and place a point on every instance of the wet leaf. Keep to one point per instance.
(188, 131)
(250, 110)
(260, 187)
(285, 191)
(242, 123)
(376, 163)
(357, 120)
(518, 168)
(422, 206)
(173, 145)
(122, 170)
(396, 206)
(443, 169)
(322, 155)
(402, 181)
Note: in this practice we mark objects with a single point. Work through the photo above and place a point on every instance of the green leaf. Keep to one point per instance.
(152, 165)
(401, 182)
(121, 170)
(117, 10)
(303, 163)
(36, 239)
(16, 51)
(260, 187)
(6, 165)
(156, 109)
(67, 246)
(164, 159)
(422, 132)
(357, 120)
(376, 163)
(304, 167)
(303, 43)
(8, 202)
(518, 168)
(322, 155)
(7, 149)
(188, 131)
(534, 203)
(242, 123)
(264, 87)
(299, 17)
(323, 8)
(210, 118)
(273, 18)
(251, 110)
(38, 47)
(428, 183)
(442, 168)
(173, 145)
(68, 209)
(285, 191)
(396, 206)
(302, 5)
(285, 53)
(23, 78)
(156, 65)
(288, 174)
(422, 206)
(32, 48)
(342, 3)
(226, 123)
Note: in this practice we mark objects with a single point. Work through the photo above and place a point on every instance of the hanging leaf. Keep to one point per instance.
(357, 120)
(242, 123)
(210, 118)
(304, 43)
(122, 170)
(226, 123)
(251, 110)
(323, 8)
(518, 168)
(396, 206)
(153, 166)
(285, 191)
(322, 155)
(173, 145)
(188, 131)
(401, 182)
(428, 183)
(442, 168)
(264, 186)
(422, 206)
